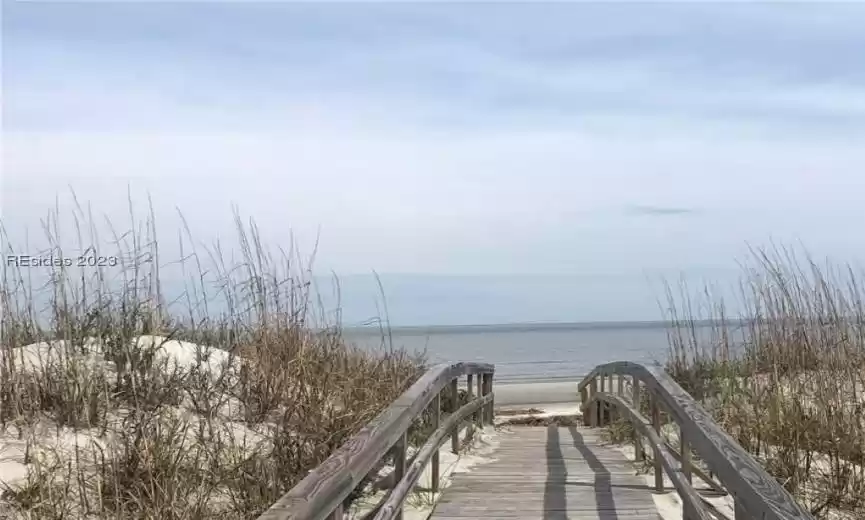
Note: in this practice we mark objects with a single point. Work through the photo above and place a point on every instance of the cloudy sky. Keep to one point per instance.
(540, 162)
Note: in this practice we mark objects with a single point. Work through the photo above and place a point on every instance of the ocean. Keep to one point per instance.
(533, 352)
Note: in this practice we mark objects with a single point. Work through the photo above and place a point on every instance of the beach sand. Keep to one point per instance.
(537, 395)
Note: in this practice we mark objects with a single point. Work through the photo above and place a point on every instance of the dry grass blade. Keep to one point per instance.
(786, 380)
(114, 409)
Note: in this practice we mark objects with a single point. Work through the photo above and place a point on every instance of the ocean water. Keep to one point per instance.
(534, 353)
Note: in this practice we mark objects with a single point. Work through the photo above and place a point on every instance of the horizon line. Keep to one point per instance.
(527, 325)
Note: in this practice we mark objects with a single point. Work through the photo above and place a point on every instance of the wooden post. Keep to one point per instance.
(594, 412)
(436, 418)
(601, 407)
(399, 456)
(611, 410)
(487, 390)
(479, 414)
(469, 398)
(688, 512)
(656, 424)
(638, 440)
(620, 391)
(493, 400)
(686, 455)
(455, 405)
(336, 514)
(584, 397)
(740, 512)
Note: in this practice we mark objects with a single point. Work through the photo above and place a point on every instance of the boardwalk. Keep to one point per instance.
(550, 473)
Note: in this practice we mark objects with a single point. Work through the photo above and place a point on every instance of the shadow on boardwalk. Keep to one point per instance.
(549, 473)
(555, 491)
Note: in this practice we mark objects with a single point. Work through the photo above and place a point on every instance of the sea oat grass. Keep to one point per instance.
(786, 379)
(116, 408)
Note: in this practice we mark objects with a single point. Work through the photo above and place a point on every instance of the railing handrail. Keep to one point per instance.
(393, 504)
(756, 492)
(327, 486)
(689, 496)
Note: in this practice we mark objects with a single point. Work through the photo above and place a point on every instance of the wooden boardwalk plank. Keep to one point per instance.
(550, 473)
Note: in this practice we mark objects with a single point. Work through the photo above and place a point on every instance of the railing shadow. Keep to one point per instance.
(555, 492)
(606, 504)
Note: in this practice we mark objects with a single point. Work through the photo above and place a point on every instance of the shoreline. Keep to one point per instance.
(537, 394)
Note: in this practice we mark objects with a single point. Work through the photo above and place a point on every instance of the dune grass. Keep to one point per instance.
(125, 405)
(786, 378)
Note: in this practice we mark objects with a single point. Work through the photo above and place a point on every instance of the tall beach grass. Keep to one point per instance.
(786, 377)
(123, 398)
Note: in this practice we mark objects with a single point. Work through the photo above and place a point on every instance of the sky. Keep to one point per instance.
(509, 162)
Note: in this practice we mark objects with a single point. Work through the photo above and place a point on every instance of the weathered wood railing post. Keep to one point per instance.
(488, 410)
(595, 410)
(656, 424)
(584, 399)
(686, 455)
(479, 415)
(469, 397)
(399, 455)
(639, 455)
(688, 512)
(611, 411)
(602, 407)
(436, 419)
(455, 405)
(620, 390)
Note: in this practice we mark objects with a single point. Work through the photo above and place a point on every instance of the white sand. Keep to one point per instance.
(183, 354)
(552, 410)
(50, 443)
(537, 395)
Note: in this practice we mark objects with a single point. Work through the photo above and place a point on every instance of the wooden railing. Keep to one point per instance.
(322, 493)
(757, 494)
